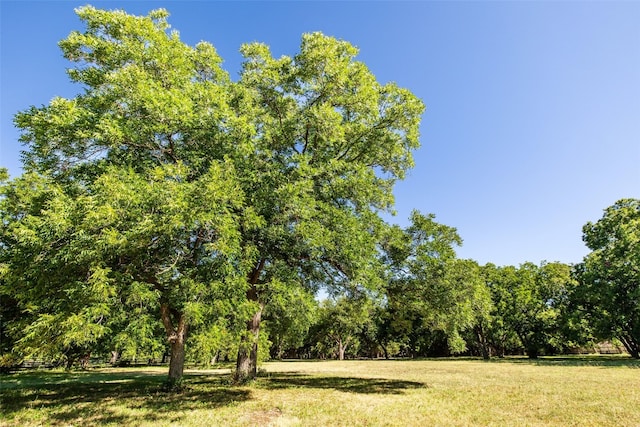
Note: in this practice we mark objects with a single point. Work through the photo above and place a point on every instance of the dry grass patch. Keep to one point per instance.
(453, 392)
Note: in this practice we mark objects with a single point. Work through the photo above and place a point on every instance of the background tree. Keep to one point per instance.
(501, 282)
(289, 313)
(9, 312)
(556, 283)
(341, 322)
(528, 305)
(608, 294)
(428, 288)
(481, 306)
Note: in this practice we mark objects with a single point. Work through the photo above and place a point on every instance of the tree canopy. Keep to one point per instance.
(167, 183)
(609, 277)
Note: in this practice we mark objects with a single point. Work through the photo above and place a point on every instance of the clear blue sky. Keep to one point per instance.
(532, 125)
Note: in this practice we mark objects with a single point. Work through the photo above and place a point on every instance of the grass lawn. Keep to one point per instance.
(585, 391)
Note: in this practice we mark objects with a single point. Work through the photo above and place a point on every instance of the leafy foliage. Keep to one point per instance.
(528, 307)
(341, 324)
(429, 289)
(165, 187)
(608, 294)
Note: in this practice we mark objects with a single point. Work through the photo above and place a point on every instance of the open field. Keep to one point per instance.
(581, 391)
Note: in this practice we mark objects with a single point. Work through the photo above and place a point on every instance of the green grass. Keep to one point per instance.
(448, 392)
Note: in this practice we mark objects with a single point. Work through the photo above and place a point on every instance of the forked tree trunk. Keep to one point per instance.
(385, 351)
(215, 358)
(631, 345)
(482, 341)
(341, 350)
(176, 330)
(342, 346)
(530, 348)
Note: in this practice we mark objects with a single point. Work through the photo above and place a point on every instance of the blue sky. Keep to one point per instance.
(532, 125)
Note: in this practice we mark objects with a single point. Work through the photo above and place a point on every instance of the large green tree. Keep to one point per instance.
(497, 330)
(99, 261)
(429, 293)
(203, 187)
(330, 141)
(128, 199)
(341, 323)
(289, 313)
(608, 294)
(527, 306)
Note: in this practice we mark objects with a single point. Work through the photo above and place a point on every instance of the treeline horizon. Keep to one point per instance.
(429, 304)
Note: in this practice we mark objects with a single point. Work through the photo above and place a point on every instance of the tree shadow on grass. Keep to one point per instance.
(573, 361)
(345, 384)
(120, 398)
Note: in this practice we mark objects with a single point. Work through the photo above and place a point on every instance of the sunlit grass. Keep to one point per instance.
(450, 392)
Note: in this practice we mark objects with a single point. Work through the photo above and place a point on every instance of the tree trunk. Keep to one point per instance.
(632, 346)
(486, 354)
(84, 360)
(385, 351)
(115, 355)
(532, 352)
(215, 357)
(482, 340)
(501, 348)
(247, 361)
(279, 349)
(342, 347)
(176, 363)
(176, 335)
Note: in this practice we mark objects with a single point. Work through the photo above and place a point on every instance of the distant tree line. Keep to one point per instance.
(433, 304)
(170, 212)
